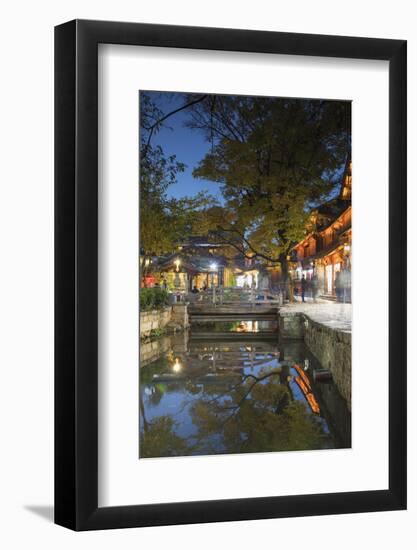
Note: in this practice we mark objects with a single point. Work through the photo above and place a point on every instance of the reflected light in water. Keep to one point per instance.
(187, 393)
(177, 367)
(247, 326)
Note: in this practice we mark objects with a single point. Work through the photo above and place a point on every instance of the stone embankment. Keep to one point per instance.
(170, 319)
(328, 336)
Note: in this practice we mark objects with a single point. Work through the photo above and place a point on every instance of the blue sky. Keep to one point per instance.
(188, 145)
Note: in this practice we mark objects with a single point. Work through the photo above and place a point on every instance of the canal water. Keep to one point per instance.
(235, 388)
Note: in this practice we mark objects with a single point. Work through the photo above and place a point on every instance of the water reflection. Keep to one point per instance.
(236, 391)
(231, 327)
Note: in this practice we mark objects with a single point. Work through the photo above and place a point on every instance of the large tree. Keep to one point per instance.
(276, 158)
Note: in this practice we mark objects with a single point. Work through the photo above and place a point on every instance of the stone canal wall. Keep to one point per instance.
(291, 325)
(151, 350)
(332, 347)
(169, 319)
(155, 320)
(180, 318)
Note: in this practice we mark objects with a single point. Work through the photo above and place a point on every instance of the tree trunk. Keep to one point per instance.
(286, 277)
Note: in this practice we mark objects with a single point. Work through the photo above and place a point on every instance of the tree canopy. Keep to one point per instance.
(275, 158)
(232, 414)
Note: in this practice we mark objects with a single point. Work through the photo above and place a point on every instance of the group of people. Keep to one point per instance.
(313, 283)
(342, 285)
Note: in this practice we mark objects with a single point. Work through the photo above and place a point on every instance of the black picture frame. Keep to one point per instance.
(76, 272)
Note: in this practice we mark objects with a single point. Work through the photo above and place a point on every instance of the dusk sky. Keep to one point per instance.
(188, 145)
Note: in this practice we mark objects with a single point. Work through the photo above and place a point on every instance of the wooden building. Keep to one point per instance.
(202, 262)
(327, 249)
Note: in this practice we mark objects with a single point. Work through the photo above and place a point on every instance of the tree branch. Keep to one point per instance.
(165, 117)
(249, 245)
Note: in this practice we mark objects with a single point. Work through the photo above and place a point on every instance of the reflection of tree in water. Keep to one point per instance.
(254, 414)
(258, 415)
(216, 326)
(158, 438)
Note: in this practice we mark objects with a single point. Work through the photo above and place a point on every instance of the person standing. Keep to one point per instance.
(348, 286)
(338, 286)
(303, 288)
(342, 281)
(315, 287)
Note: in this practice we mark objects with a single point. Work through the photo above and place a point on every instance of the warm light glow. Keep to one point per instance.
(313, 403)
(177, 263)
(147, 262)
(301, 385)
(303, 376)
(177, 367)
(311, 400)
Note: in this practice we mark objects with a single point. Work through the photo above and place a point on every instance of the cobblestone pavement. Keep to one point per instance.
(332, 314)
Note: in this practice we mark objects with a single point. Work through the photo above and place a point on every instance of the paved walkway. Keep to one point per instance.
(331, 314)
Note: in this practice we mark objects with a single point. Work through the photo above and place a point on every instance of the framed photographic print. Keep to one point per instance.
(230, 275)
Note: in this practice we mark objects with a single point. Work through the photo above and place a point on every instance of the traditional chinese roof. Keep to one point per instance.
(328, 213)
(196, 263)
(197, 241)
(325, 214)
(321, 254)
(346, 187)
(333, 208)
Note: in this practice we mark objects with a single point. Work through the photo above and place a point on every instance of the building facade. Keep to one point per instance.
(326, 252)
(200, 263)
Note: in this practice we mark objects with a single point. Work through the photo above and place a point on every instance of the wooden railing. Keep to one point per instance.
(234, 295)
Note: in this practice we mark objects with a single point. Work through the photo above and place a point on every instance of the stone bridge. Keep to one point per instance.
(232, 312)
(231, 304)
